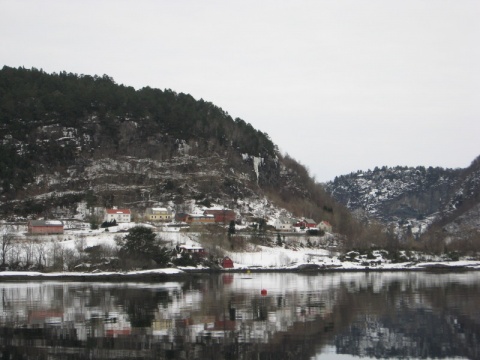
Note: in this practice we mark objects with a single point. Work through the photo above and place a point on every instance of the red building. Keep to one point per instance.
(305, 224)
(200, 219)
(223, 216)
(227, 263)
(45, 227)
(181, 217)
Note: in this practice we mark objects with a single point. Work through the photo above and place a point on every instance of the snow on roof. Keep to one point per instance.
(286, 220)
(202, 215)
(159, 209)
(46, 223)
(53, 222)
(216, 208)
(185, 246)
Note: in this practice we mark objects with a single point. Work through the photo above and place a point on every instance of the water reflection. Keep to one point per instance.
(246, 316)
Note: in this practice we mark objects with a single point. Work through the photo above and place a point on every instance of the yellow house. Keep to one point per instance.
(158, 214)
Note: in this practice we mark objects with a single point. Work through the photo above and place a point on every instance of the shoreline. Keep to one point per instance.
(167, 275)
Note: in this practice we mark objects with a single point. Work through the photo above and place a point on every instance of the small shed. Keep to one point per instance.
(227, 263)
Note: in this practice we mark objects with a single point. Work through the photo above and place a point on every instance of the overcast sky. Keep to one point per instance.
(339, 85)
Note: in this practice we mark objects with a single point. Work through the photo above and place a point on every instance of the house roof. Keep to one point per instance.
(118, 211)
(286, 220)
(201, 216)
(191, 247)
(45, 223)
(218, 211)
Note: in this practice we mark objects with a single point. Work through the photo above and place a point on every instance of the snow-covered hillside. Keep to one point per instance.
(409, 198)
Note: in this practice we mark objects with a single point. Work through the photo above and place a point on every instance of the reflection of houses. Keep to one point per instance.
(159, 326)
(41, 317)
(158, 214)
(102, 322)
(116, 324)
(221, 325)
(45, 227)
(184, 318)
(119, 215)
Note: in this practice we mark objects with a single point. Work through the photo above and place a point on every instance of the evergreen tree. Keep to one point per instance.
(142, 243)
(231, 228)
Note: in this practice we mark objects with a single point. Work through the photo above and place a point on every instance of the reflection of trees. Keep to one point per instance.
(458, 306)
(141, 304)
(411, 322)
(259, 309)
(398, 319)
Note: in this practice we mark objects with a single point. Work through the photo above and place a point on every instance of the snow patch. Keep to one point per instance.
(257, 161)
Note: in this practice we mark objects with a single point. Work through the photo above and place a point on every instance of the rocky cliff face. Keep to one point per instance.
(135, 172)
(411, 199)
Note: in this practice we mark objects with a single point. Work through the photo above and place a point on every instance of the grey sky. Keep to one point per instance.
(340, 85)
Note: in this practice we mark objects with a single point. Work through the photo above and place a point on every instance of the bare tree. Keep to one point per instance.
(28, 248)
(40, 254)
(6, 243)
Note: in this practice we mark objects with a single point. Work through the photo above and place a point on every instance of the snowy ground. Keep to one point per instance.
(264, 258)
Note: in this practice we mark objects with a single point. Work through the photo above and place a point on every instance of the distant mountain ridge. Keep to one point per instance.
(412, 198)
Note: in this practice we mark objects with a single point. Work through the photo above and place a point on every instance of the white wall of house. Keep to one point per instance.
(119, 217)
(282, 225)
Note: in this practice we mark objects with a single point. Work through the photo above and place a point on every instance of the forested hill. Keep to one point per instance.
(30, 98)
(98, 117)
(67, 138)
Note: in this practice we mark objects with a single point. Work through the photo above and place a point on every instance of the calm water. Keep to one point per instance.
(331, 316)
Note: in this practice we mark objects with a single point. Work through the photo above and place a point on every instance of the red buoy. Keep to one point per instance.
(263, 292)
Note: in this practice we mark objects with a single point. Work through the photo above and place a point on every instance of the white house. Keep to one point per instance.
(119, 215)
(325, 226)
(284, 224)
